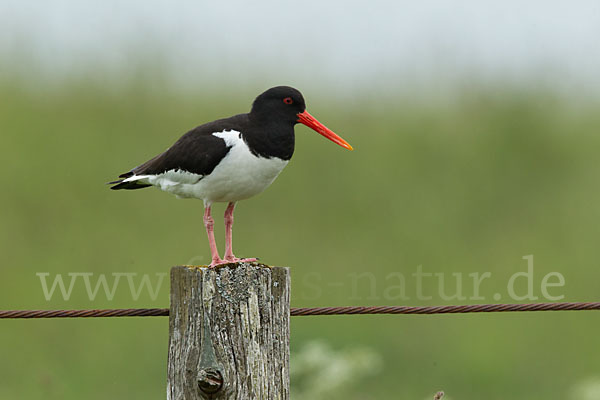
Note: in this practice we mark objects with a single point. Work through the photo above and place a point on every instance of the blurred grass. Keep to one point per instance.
(461, 187)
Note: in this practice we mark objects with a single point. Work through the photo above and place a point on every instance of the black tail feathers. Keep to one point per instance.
(127, 185)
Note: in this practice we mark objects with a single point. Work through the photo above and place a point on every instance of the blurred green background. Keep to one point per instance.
(470, 187)
(469, 182)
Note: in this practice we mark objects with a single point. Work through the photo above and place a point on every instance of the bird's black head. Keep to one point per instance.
(284, 105)
(281, 103)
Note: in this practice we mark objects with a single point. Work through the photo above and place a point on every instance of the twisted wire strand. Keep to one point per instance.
(308, 311)
(124, 312)
(452, 309)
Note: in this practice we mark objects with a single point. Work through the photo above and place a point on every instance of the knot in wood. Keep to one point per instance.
(210, 380)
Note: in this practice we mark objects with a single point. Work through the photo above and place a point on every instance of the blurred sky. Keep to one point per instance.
(404, 46)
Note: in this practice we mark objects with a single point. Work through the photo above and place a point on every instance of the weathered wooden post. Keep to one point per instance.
(229, 332)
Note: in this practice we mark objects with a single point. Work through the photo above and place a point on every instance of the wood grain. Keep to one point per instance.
(229, 332)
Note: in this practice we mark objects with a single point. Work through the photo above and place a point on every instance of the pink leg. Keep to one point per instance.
(229, 232)
(209, 223)
(229, 236)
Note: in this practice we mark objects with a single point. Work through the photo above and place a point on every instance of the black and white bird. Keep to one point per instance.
(230, 159)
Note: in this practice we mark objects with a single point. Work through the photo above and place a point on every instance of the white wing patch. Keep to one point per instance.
(231, 138)
(239, 175)
(167, 179)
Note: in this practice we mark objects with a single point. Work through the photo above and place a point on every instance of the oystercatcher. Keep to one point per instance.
(230, 159)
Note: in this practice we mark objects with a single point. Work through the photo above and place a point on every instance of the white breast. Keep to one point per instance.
(238, 176)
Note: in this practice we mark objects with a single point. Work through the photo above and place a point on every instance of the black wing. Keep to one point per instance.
(198, 152)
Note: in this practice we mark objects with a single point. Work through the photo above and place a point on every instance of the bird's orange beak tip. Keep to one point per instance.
(306, 119)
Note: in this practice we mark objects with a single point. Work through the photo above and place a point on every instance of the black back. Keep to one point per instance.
(268, 130)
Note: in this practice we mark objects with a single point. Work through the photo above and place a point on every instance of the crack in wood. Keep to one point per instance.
(229, 333)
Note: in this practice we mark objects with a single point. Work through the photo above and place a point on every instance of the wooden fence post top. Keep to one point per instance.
(229, 332)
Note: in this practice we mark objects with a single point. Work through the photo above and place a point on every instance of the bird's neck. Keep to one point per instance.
(270, 138)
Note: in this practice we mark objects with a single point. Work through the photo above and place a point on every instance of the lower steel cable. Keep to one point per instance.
(306, 311)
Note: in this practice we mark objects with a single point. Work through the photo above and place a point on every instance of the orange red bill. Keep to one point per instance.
(306, 119)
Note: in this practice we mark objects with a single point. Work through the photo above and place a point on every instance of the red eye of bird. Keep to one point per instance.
(288, 100)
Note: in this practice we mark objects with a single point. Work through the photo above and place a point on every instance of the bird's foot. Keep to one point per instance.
(234, 259)
(217, 262)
